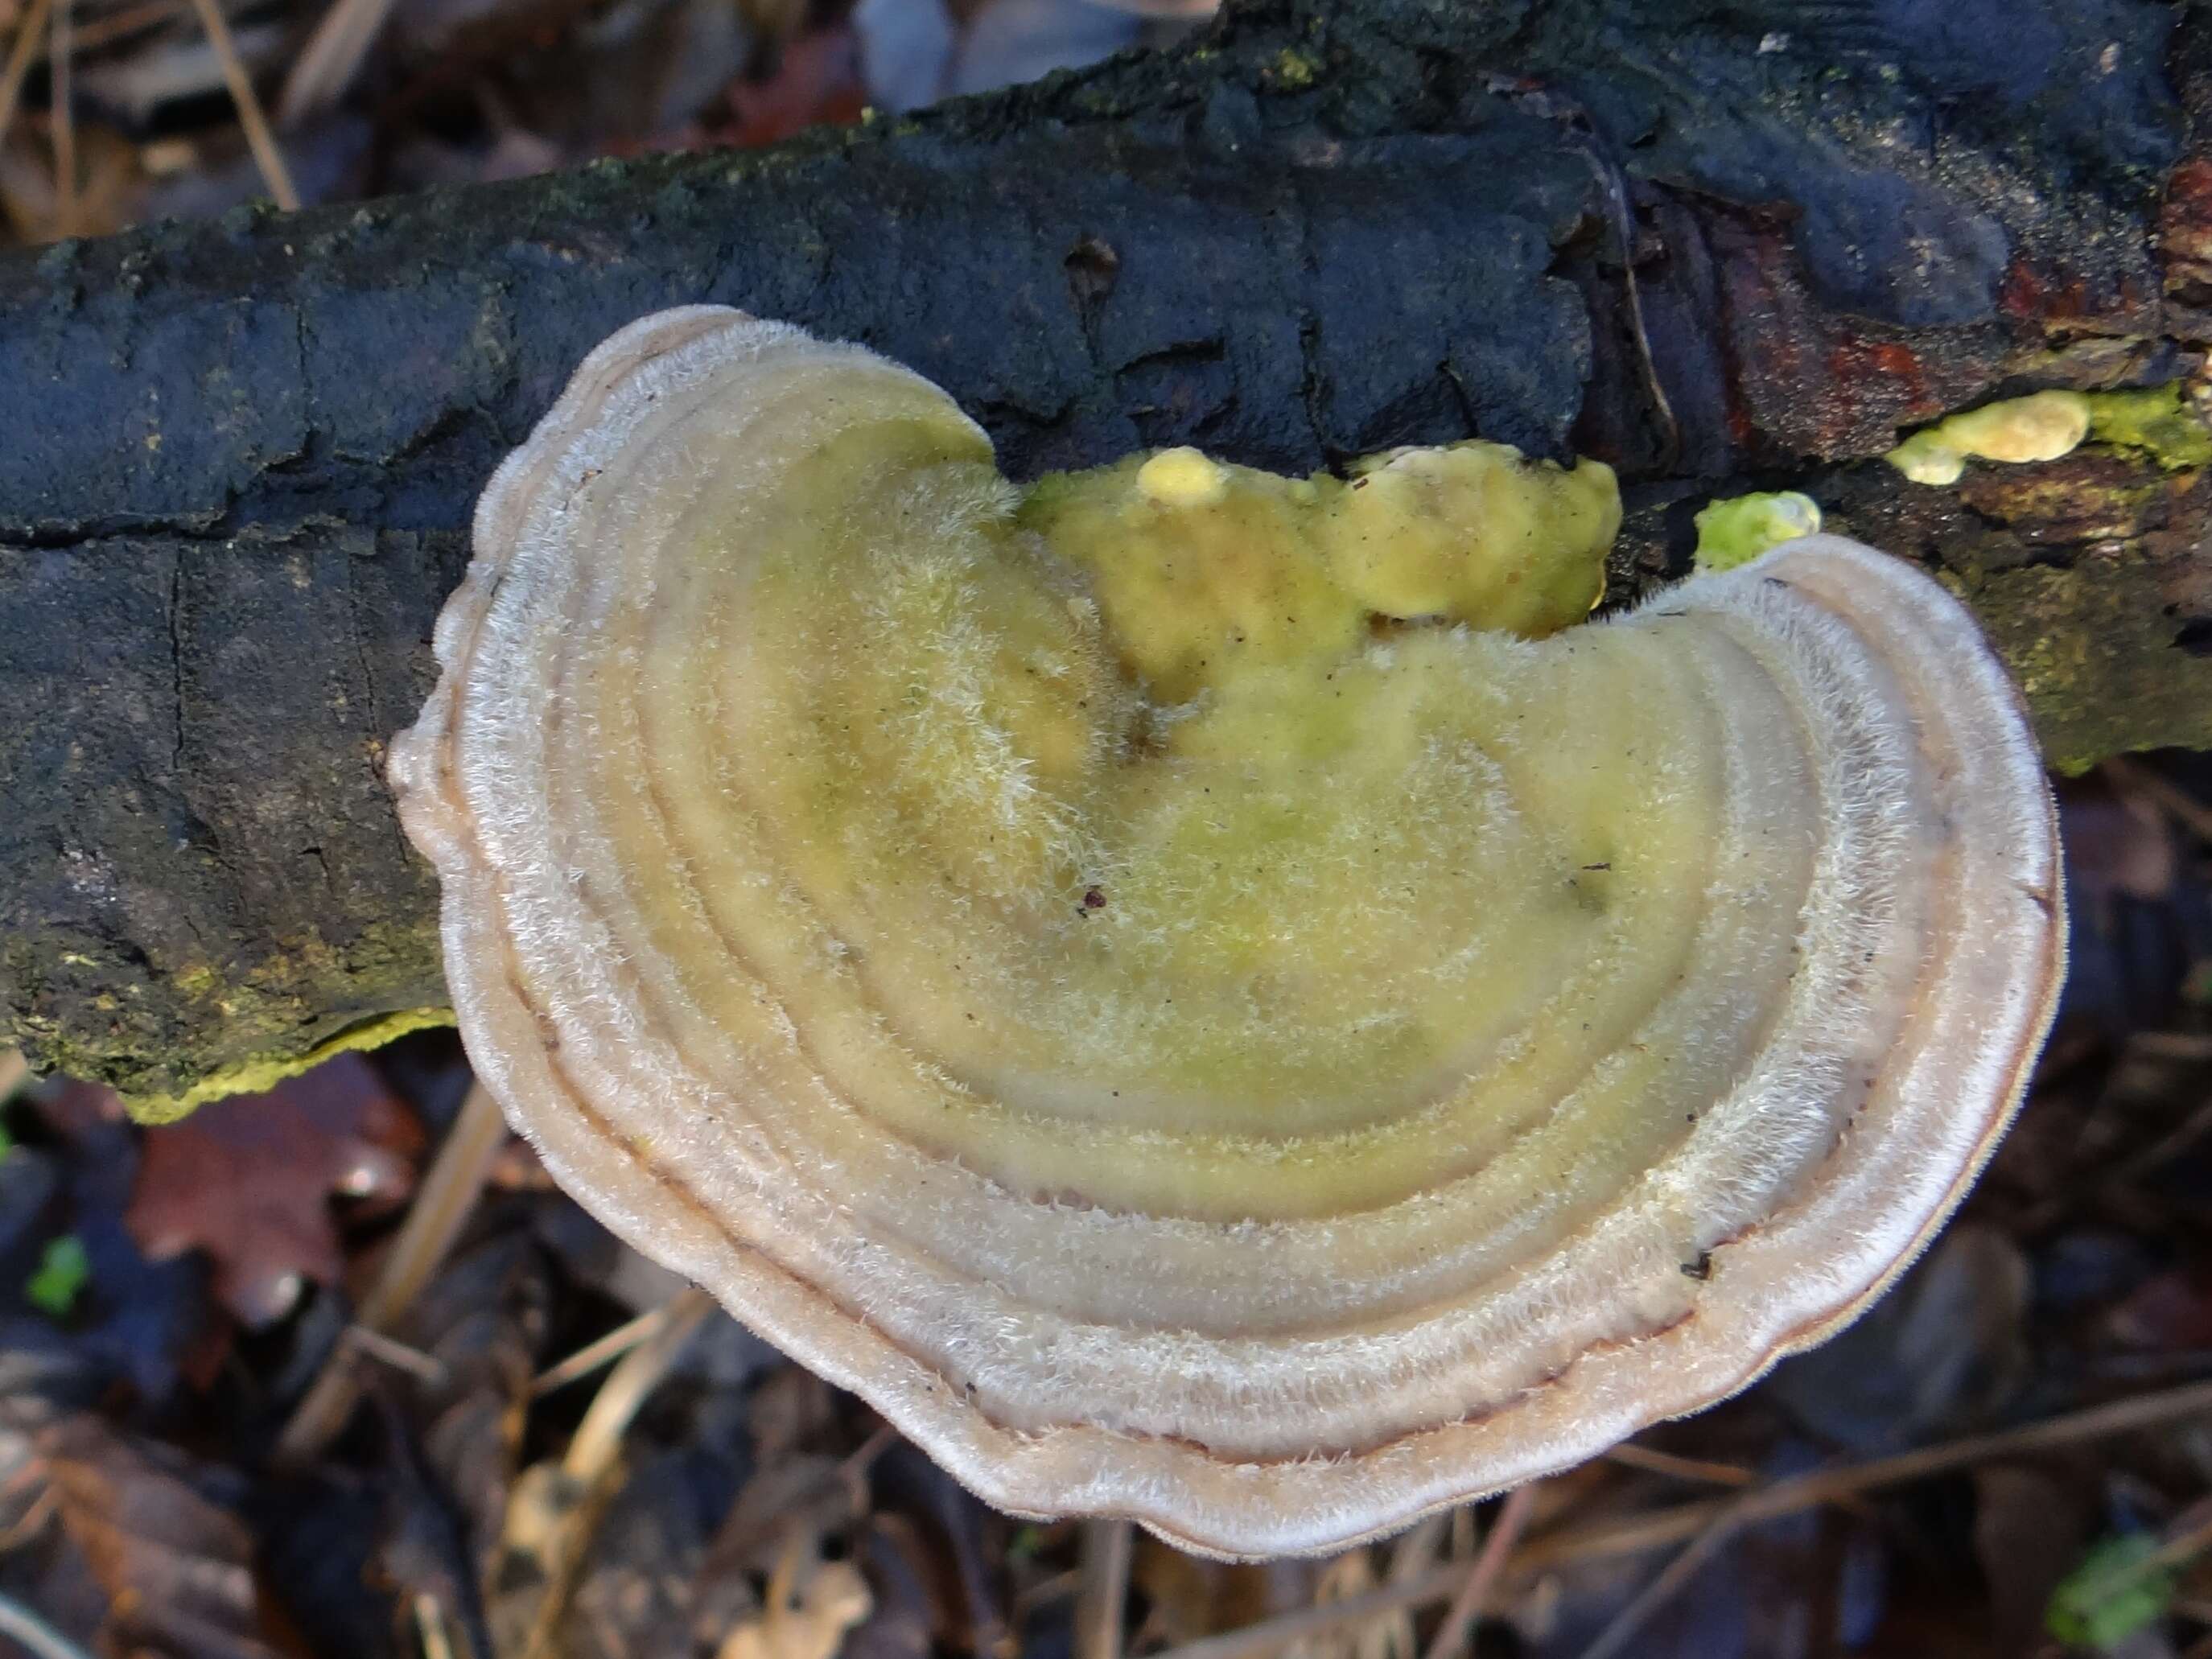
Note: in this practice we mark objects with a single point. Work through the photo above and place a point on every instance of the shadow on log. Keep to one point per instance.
(1724, 247)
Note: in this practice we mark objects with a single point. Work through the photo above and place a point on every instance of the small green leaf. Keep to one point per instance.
(2117, 1590)
(63, 1271)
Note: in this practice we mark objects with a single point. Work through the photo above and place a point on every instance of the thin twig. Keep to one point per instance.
(1828, 1485)
(1663, 1587)
(2172, 1045)
(19, 59)
(426, 1368)
(1473, 1597)
(1631, 1456)
(441, 1205)
(2163, 1151)
(102, 31)
(2182, 1546)
(604, 1350)
(19, 1624)
(31, 1522)
(114, 25)
(1102, 1567)
(855, 1466)
(593, 1464)
(258, 139)
(1834, 1484)
(1043, 1594)
(597, 1440)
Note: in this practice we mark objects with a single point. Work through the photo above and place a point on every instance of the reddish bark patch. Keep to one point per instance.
(2185, 231)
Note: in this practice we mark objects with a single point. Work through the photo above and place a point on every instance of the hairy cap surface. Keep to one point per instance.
(1202, 995)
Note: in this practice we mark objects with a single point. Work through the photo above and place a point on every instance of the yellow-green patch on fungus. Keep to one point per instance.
(1205, 572)
(1738, 530)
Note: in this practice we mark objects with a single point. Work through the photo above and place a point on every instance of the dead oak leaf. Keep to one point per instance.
(249, 1180)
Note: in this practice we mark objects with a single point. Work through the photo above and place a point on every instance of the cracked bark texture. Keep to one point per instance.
(1721, 246)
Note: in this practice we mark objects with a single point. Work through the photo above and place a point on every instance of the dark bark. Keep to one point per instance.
(1719, 245)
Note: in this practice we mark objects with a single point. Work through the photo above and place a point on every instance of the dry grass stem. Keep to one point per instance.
(1631, 1456)
(63, 120)
(592, 1467)
(597, 1440)
(39, 1638)
(430, 1627)
(422, 1366)
(332, 56)
(1102, 1588)
(20, 55)
(258, 139)
(1473, 1597)
(1663, 1587)
(441, 1206)
(604, 1350)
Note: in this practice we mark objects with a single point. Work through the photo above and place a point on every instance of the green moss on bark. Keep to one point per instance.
(2094, 650)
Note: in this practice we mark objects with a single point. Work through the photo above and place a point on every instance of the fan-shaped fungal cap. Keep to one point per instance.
(1181, 1043)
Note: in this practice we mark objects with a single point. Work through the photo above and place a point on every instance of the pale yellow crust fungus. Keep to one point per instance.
(2040, 427)
(1163, 983)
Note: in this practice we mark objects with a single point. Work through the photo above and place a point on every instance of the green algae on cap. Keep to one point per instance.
(1202, 995)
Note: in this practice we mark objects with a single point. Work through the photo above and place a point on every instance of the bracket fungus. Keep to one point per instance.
(1199, 994)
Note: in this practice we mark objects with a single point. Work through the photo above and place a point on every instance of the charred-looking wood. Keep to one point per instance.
(1721, 248)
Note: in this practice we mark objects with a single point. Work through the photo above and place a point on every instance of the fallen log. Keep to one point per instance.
(1723, 249)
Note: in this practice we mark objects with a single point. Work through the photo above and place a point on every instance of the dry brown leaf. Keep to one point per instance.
(249, 1180)
(177, 1568)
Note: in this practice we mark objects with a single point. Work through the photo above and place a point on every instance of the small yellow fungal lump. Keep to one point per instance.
(1738, 530)
(2041, 427)
(1204, 571)
(1182, 478)
(1210, 997)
